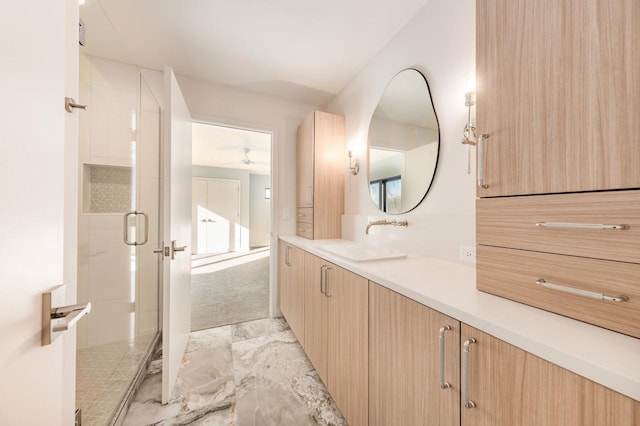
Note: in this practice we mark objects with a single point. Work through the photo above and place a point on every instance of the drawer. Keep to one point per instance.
(305, 214)
(514, 274)
(304, 230)
(567, 224)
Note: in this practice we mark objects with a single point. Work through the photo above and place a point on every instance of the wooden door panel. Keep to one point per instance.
(315, 316)
(348, 344)
(512, 387)
(404, 379)
(558, 95)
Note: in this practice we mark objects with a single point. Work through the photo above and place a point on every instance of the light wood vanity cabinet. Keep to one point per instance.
(509, 386)
(405, 382)
(337, 334)
(558, 95)
(291, 289)
(506, 385)
(385, 357)
(320, 176)
(559, 99)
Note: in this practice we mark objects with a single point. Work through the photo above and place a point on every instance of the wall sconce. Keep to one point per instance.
(353, 164)
(469, 135)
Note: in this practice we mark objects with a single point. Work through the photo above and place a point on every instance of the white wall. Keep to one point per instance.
(439, 41)
(259, 211)
(211, 103)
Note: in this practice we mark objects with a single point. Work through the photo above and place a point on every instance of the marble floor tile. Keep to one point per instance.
(248, 374)
(261, 327)
(266, 360)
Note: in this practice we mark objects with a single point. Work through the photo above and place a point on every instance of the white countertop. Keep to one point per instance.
(606, 357)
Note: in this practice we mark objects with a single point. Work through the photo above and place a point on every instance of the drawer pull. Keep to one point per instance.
(599, 226)
(584, 293)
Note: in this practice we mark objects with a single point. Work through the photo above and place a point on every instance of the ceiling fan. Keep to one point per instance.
(246, 160)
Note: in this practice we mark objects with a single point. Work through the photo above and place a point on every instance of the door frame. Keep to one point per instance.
(274, 179)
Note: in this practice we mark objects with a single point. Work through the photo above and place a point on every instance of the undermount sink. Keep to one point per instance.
(361, 253)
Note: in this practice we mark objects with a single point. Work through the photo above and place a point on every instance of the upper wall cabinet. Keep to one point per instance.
(558, 95)
(321, 158)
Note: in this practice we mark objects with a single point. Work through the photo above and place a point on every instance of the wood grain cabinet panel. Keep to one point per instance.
(315, 315)
(337, 334)
(291, 288)
(404, 375)
(513, 222)
(512, 387)
(514, 274)
(348, 344)
(558, 94)
(321, 171)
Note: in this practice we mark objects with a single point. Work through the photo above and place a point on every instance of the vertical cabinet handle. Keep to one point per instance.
(326, 282)
(480, 146)
(286, 256)
(443, 383)
(323, 269)
(468, 403)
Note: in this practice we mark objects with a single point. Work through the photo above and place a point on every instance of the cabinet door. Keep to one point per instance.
(348, 343)
(305, 161)
(558, 95)
(292, 288)
(315, 315)
(329, 174)
(512, 387)
(404, 378)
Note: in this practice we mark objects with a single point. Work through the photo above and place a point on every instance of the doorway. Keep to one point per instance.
(231, 225)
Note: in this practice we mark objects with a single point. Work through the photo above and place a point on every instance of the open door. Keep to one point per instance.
(176, 287)
(38, 216)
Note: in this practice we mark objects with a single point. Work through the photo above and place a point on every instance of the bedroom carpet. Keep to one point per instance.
(230, 295)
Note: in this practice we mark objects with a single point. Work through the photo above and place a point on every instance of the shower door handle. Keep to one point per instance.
(126, 228)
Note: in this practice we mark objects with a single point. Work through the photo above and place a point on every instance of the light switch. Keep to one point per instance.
(286, 214)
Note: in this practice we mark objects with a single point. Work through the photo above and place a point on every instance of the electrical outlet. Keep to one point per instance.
(468, 253)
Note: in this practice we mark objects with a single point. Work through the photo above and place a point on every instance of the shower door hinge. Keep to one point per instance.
(78, 417)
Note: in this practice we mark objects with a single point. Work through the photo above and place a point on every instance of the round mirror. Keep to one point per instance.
(404, 140)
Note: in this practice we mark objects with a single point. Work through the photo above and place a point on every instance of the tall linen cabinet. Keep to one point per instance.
(321, 158)
(558, 108)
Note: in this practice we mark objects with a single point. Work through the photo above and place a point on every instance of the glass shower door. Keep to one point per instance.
(119, 227)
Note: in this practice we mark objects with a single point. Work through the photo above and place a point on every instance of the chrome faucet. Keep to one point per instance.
(403, 223)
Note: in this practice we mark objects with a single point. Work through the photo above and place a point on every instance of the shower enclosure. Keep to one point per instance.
(119, 228)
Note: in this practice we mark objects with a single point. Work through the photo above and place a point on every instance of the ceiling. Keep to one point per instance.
(227, 147)
(302, 50)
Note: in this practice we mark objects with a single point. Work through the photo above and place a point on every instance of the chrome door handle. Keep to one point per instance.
(175, 248)
(480, 146)
(443, 383)
(70, 103)
(126, 228)
(468, 403)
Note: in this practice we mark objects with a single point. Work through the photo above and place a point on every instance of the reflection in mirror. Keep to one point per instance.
(403, 144)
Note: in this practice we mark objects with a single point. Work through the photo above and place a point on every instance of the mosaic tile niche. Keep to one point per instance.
(108, 189)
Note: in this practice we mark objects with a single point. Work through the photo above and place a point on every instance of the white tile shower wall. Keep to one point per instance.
(438, 41)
